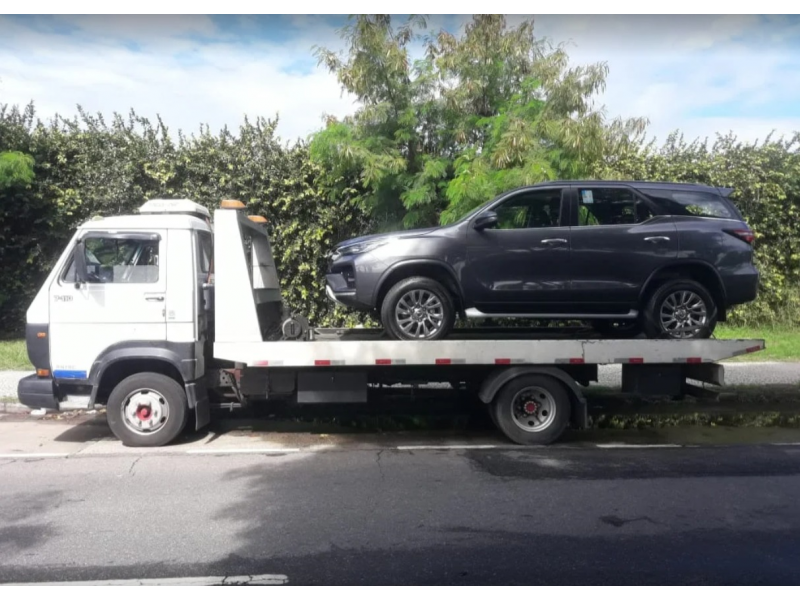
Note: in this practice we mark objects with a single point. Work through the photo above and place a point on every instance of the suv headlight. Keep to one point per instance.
(360, 248)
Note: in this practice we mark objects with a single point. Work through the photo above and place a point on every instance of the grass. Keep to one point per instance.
(14, 356)
(783, 343)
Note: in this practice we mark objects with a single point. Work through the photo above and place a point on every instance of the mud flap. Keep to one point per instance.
(197, 397)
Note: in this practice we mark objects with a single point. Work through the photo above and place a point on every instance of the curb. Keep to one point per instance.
(13, 408)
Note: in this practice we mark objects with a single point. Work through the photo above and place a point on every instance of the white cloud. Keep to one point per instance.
(674, 70)
(677, 71)
(187, 83)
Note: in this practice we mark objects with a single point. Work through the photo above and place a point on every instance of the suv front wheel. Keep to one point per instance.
(680, 309)
(418, 308)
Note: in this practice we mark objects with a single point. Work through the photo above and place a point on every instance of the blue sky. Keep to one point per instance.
(699, 74)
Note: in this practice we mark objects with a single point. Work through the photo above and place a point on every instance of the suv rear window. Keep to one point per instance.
(687, 203)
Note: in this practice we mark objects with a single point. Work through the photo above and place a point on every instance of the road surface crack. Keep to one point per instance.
(133, 464)
(236, 580)
(619, 522)
(380, 466)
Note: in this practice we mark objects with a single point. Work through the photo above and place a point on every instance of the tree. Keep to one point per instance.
(479, 113)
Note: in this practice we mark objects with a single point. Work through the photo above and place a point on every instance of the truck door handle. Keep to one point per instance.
(154, 298)
(554, 241)
(656, 239)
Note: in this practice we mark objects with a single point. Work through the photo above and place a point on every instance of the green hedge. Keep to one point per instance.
(87, 166)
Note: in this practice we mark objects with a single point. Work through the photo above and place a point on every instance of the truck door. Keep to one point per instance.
(123, 299)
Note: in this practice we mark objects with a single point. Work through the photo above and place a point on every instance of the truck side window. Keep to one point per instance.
(205, 252)
(111, 260)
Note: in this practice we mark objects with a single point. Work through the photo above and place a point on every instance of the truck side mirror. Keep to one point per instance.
(80, 264)
(485, 220)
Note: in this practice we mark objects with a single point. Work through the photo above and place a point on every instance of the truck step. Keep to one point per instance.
(75, 402)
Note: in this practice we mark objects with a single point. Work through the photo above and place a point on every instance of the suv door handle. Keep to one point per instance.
(150, 298)
(555, 241)
(656, 239)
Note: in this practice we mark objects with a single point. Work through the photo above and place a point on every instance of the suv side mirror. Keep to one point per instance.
(80, 264)
(485, 220)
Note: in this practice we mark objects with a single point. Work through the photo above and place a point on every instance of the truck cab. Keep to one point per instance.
(126, 295)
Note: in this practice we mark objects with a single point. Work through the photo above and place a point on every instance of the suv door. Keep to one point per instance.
(124, 299)
(520, 266)
(618, 241)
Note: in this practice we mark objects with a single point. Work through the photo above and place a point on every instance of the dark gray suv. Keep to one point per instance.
(667, 259)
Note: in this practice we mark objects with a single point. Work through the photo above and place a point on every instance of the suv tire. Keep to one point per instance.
(675, 307)
(418, 308)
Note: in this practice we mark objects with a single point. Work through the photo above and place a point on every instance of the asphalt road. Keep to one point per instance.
(560, 515)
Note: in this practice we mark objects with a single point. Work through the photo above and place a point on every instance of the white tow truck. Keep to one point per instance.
(158, 316)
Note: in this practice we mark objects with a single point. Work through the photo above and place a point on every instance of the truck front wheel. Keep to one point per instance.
(532, 409)
(147, 409)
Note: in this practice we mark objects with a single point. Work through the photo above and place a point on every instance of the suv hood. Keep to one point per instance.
(379, 236)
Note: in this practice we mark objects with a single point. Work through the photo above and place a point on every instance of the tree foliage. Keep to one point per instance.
(16, 169)
(476, 114)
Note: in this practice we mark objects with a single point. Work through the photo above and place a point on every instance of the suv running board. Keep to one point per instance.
(474, 313)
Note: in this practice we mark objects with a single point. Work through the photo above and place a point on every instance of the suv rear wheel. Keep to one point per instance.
(680, 309)
(418, 308)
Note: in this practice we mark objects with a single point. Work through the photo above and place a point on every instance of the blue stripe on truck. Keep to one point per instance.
(69, 374)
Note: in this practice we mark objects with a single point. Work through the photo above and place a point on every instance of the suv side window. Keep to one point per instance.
(690, 203)
(528, 210)
(114, 260)
(610, 206)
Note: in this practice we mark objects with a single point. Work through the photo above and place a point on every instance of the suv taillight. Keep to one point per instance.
(743, 234)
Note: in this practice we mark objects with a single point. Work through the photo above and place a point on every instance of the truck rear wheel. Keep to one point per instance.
(147, 409)
(532, 409)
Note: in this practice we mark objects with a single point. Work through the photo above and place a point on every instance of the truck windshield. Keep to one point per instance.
(113, 260)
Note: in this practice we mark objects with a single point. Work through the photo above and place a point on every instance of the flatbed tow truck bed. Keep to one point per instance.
(356, 350)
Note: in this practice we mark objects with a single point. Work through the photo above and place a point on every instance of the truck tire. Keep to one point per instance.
(147, 409)
(532, 409)
(418, 308)
(680, 309)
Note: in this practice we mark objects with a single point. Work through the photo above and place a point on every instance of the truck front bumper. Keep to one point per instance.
(37, 392)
